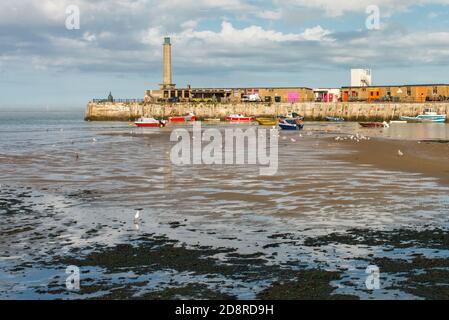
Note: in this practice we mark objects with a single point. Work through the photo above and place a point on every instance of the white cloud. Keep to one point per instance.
(335, 8)
(252, 35)
(270, 14)
(126, 36)
(89, 37)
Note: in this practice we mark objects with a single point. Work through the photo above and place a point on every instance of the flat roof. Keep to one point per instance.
(235, 88)
(250, 88)
(398, 85)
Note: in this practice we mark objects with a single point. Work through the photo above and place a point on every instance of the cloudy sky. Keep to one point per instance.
(216, 43)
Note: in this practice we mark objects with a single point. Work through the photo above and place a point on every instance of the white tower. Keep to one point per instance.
(361, 78)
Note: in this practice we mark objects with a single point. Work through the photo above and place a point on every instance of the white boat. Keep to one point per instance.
(397, 122)
(427, 116)
(149, 122)
(239, 117)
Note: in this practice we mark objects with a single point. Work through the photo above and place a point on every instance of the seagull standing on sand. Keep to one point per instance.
(137, 217)
(400, 153)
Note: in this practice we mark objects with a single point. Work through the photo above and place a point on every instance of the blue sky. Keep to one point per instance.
(219, 43)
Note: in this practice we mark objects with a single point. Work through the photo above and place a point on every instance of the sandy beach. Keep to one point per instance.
(428, 158)
(70, 192)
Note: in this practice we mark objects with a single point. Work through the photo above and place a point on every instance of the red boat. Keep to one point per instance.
(189, 117)
(149, 122)
(374, 124)
(239, 117)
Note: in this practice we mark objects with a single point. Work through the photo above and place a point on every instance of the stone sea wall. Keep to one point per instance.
(311, 110)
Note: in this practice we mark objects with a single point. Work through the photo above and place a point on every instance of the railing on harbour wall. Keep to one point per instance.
(118, 101)
(140, 101)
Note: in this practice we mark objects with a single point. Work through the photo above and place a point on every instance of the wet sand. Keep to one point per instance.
(213, 232)
(427, 158)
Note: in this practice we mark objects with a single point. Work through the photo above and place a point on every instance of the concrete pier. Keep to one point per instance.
(311, 110)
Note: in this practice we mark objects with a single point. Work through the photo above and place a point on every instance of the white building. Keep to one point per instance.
(361, 78)
(327, 95)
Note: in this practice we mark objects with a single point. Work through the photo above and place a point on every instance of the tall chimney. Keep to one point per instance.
(167, 81)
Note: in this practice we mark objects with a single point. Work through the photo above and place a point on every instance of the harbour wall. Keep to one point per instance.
(352, 111)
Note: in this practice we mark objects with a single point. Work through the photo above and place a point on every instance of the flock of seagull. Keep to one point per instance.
(355, 138)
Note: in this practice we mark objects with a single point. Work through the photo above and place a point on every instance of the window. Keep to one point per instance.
(409, 91)
(435, 90)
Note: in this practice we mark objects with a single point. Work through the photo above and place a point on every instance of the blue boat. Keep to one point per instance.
(428, 116)
(290, 125)
(334, 119)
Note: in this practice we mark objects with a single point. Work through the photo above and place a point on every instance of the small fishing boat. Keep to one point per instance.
(291, 124)
(190, 117)
(427, 116)
(397, 122)
(266, 121)
(239, 117)
(334, 119)
(292, 116)
(374, 124)
(149, 122)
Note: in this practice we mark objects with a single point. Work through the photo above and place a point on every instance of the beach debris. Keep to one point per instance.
(284, 138)
(400, 153)
(292, 140)
(77, 156)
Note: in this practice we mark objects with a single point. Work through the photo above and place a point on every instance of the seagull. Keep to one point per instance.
(292, 140)
(94, 140)
(400, 153)
(137, 217)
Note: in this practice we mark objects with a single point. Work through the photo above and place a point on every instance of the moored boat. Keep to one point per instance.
(239, 117)
(267, 121)
(149, 122)
(374, 124)
(334, 119)
(292, 116)
(427, 116)
(397, 122)
(189, 117)
(291, 124)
